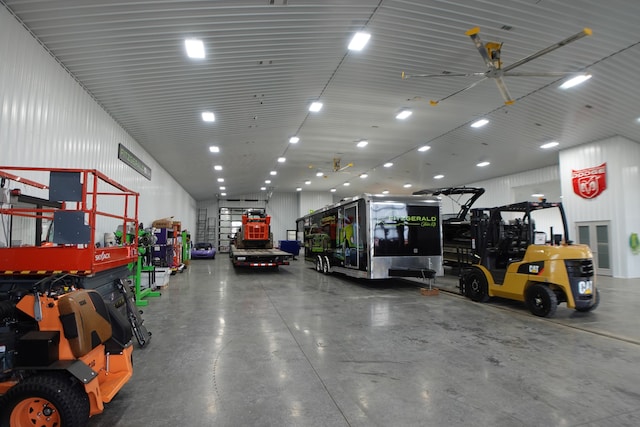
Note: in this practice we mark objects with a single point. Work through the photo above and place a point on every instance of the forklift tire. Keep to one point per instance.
(319, 264)
(476, 286)
(541, 300)
(594, 306)
(45, 400)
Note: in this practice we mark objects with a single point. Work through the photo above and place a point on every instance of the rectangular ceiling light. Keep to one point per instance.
(424, 148)
(359, 41)
(208, 116)
(403, 114)
(294, 140)
(479, 123)
(550, 145)
(195, 48)
(575, 81)
(214, 149)
(315, 107)
(362, 143)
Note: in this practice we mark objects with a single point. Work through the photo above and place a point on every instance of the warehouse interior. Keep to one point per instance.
(442, 94)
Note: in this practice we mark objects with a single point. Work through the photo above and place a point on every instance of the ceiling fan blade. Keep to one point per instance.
(408, 76)
(585, 32)
(475, 37)
(550, 74)
(502, 87)
(436, 102)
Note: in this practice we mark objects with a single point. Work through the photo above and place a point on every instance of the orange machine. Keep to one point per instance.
(65, 336)
(255, 231)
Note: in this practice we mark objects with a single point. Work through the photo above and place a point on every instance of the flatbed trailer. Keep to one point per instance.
(258, 257)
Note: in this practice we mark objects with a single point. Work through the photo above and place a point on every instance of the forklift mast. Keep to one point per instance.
(493, 238)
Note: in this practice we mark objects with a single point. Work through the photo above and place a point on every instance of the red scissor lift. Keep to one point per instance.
(73, 206)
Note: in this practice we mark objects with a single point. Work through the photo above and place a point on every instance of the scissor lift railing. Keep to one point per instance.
(81, 194)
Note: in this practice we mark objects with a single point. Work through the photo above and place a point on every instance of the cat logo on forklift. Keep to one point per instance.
(585, 287)
(534, 268)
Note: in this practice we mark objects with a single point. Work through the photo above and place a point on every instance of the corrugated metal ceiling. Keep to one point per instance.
(265, 63)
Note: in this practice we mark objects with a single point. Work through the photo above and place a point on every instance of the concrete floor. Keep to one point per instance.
(296, 348)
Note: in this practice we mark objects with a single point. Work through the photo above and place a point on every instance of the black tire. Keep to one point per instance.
(319, 264)
(477, 288)
(326, 266)
(41, 400)
(593, 307)
(541, 300)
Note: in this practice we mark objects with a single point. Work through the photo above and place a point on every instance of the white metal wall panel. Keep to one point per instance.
(619, 203)
(48, 120)
(500, 191)
(283, 208)
(311, 201)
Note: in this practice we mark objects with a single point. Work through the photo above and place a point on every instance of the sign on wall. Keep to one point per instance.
(589, 183)
(133, 161)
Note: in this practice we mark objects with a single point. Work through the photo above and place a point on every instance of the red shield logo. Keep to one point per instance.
(590, 182)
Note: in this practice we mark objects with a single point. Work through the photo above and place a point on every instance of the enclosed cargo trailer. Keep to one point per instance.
(375, 237)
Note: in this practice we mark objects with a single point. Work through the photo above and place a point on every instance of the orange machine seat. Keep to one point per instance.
(85, 320)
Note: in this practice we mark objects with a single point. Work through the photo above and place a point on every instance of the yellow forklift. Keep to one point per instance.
(513, 259)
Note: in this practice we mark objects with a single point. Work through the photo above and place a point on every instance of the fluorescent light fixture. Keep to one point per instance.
(424, 148)
(403, 114)
(220, 179)
(359, 41)
(282, 159)
(333, 190)
(575, 81)
(537, 195)
(208, 116)
(263, 188)
(407, 186)
(298, 188)
(273, 173)
(307, 182)
(483, 164)
(195, 48)
(479, 123)
(388, 165)
(223, 194)
(362, 143)
(363, 175)
(346, 184)
(217, 167)
(222, 188)
(438, 176)
(294, 140)
(319, 173)
(550, 144)
(385, 191)
(267, 181)
(315, 107)
(214, 149)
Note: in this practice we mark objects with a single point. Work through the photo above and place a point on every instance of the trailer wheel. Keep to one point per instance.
(46, 401)
(541, 300)
(326, 266)
(476, 285)
(594, 306)
(319, 264)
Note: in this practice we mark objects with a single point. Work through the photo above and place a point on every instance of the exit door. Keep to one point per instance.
(596, 236)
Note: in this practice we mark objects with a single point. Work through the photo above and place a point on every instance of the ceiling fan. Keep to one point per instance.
(490, 53)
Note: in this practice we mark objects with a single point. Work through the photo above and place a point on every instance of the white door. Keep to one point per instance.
(596, 235)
